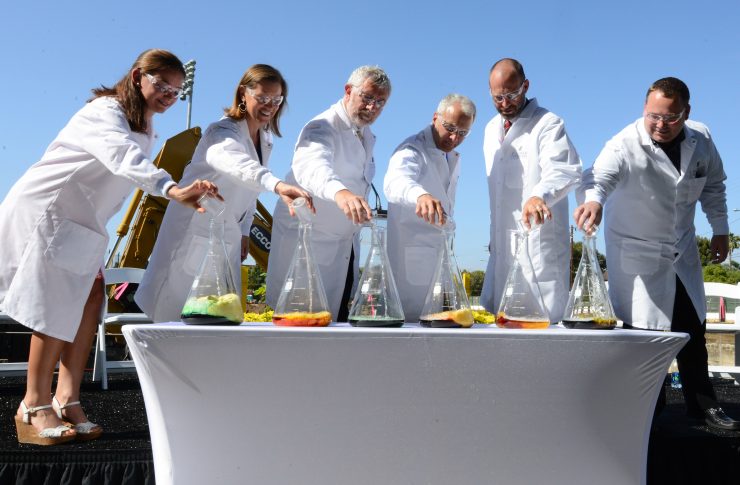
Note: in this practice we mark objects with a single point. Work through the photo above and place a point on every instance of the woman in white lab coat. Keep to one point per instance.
(233, 153)
(52, 224)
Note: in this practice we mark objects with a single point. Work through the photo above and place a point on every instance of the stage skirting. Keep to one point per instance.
(258, 404)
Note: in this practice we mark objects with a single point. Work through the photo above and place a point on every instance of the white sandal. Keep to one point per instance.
(48, 436)
(85, 431)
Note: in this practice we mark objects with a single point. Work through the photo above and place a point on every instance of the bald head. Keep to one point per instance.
(507, 67)
(508, 86)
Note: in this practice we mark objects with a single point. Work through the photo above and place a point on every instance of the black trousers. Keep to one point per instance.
(692, 359)
(343, 314)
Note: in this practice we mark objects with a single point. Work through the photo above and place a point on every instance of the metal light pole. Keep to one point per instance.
(187, 87)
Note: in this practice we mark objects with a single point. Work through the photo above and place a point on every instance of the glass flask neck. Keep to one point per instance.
(378, 235)
(589, 252)
(520, 242)
(217, 230)
(304, 233)
(589, 241)
(448, 233)
(302, 212)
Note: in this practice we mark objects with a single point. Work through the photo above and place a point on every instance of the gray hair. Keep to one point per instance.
(467, 106)
(376, 75)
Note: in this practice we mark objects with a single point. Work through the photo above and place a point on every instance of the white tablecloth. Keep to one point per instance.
(257, 404)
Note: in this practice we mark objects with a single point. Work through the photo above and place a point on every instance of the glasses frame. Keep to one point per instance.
(499, 98)
(454, 130)
(671, 119)
(163, 87)
(262, 99)
(368, 100)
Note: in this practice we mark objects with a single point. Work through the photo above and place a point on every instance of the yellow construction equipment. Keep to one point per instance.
(147, 211)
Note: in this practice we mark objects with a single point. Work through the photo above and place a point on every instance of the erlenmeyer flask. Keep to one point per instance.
(446, 304)
(521, 303)
(376, 302)
(213, 299)
(302, 301)
(588, 304)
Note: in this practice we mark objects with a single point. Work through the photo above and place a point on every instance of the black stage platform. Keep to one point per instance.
(682, 451)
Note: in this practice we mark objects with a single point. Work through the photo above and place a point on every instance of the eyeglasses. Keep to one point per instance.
(499, 98)
(452, 129)
(261, 99)
(163, 87)
(368, 100)
(671, 119)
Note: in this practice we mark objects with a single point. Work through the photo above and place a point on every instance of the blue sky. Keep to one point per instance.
(590, 62)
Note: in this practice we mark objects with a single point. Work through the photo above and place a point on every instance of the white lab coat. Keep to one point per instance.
(330, 155)
(535, 158)
(649, 216)
(417, 167)
(53, 220)
(227, 157)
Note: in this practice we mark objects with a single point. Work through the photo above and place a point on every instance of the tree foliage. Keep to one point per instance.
(576, 253)
(476, 282)
(705, 253)
(720, 273)
(256, 282)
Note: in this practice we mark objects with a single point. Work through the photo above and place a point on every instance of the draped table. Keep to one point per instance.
(258, 404)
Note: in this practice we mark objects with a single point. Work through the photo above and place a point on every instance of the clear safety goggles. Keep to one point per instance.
(262, 99)
(671, 119)
(499, 98)
(163, 87)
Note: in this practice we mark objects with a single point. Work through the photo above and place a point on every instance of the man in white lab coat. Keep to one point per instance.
(333, 160)
(420, 186)
(648, 179)
(531, 166)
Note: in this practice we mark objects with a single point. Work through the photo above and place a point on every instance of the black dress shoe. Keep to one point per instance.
(716, 418)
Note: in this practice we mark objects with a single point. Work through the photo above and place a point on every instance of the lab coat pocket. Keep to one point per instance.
(194, 257)
(690, 189)
(639, 257)
(76, 248)
(420, 263)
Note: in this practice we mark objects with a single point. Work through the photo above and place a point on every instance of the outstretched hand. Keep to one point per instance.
(353, 206)
(288, 193)
(430, 209)
(535, 209)
(587, 215)
(190, 194)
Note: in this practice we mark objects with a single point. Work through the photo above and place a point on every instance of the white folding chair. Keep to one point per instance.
(102, 364)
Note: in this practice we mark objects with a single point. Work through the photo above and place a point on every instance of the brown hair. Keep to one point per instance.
(256, 74)
(152, 61)
(672, 88)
